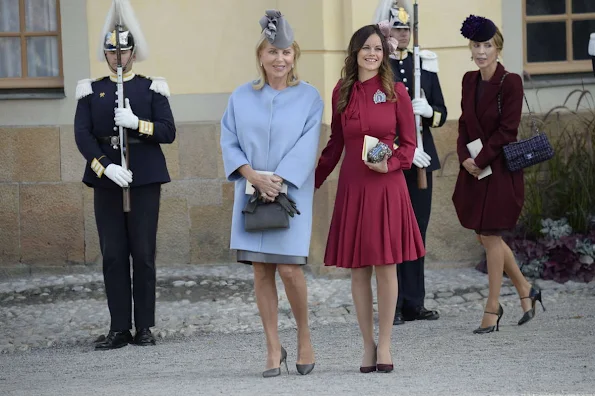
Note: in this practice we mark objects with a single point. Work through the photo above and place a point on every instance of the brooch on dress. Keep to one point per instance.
(379, 97)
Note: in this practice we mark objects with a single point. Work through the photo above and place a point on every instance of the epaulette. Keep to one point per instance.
(158, 84)
(430, 61)
(84, 88)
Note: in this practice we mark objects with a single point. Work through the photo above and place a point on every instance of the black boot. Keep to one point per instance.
(144, 337)
(114, 340)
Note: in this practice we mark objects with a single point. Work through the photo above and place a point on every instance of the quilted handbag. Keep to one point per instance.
(526, 152)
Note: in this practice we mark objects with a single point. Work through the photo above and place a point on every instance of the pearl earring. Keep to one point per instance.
(260, 64)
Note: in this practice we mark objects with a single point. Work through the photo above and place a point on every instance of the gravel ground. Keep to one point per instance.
(553, 354)
(71, 310)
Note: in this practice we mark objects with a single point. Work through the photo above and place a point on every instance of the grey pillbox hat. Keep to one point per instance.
(276, 29)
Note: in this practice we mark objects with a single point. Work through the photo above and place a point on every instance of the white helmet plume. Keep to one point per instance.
(121, 12)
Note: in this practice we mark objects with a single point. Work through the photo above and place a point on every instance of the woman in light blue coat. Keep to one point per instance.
(273, 124)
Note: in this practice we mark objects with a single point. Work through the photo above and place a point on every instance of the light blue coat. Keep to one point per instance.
(273, 131)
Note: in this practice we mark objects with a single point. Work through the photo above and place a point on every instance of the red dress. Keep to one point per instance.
(373, 221)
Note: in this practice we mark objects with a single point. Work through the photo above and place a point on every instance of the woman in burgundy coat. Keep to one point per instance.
(492, 204)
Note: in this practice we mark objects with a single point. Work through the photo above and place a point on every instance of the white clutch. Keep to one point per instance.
(369, 143)
(474, 148)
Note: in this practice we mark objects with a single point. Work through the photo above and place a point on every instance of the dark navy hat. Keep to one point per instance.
(478, 28)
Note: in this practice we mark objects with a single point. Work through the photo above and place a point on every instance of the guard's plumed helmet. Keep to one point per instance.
(126, 40)
(397, 12)
(131, 36)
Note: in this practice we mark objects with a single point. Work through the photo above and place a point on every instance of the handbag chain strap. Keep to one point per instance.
(533, 123)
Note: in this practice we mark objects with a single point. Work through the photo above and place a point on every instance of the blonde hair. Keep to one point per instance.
(292, 77)
(497, 40)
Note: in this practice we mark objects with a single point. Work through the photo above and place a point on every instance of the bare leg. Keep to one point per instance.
(265, 290)
(523, 287)
(479, 240)
(495, 258)
(386, 279)
(297, 294)
(361, 292)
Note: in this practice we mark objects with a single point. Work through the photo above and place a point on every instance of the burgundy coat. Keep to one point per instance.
(494, 202)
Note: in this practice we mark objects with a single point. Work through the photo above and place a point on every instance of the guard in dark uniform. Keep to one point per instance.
(149, 121)
(431, 108)
(592, 50)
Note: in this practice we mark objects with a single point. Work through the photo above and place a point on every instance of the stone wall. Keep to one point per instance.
(47, 220)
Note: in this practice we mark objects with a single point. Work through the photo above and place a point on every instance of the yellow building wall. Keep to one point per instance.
(200, 46)
(206, 46)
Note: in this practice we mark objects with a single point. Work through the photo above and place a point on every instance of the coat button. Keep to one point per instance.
(115, 128)
(404, 80)
(402, 70)
(407, 88)
(400, 62)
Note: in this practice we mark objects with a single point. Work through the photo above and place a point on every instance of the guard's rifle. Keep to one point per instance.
(122, 131)
(422, 181)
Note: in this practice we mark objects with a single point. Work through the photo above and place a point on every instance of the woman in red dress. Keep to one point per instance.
(373, 224)
(492, 204)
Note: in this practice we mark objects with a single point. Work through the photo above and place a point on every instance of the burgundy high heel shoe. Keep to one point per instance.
(368, 369)
(384, 368)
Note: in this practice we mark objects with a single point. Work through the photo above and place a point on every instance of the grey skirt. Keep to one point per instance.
(248, 257)
(492, 232)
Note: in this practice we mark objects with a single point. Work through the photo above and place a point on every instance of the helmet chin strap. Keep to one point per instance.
(124, 67)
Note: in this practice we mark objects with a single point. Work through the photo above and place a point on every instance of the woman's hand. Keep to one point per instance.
(380, 167)
(470, 166)
(269, 186)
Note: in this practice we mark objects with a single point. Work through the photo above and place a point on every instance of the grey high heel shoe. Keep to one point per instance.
(304, 369)
(490, 329)
(275, 372)
(534, 296)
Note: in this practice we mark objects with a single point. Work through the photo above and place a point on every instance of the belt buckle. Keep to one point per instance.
(115, 141)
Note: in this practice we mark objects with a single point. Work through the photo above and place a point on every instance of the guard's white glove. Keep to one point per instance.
(421, 159)
(592, 45)
(118, 175)
(422, 107)
(125, 117)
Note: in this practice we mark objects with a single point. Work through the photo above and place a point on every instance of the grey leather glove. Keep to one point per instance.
(288, 204)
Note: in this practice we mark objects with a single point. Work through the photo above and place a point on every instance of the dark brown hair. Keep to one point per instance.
(349, 74)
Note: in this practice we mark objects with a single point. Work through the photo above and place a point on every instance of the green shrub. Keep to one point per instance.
(564, 186)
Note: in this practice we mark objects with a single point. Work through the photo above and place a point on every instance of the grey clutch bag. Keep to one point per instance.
(261, 216)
